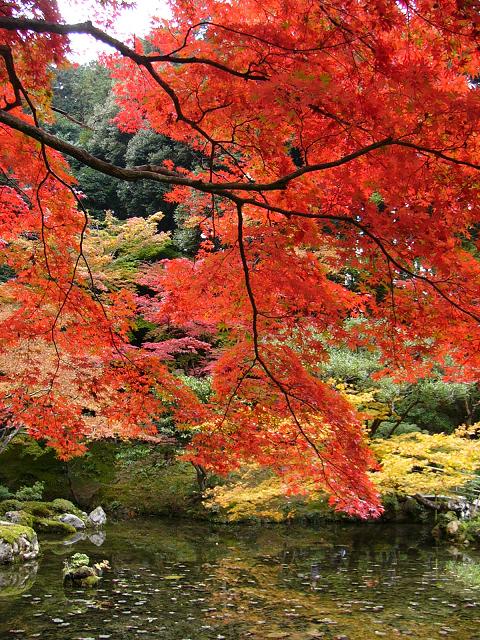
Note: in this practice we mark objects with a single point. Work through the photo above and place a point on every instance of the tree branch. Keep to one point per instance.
(88, 28)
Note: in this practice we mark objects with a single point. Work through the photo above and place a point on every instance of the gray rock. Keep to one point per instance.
(22, 545)
(75, 521)
(14, 516)
(28, 548)
(6, 552)
(97, 517)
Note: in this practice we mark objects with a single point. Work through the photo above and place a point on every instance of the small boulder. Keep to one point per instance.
(17, 542)
(19, 517)
(77, 570)
(6, 552)
(98, 517)
(452, 528)
(72, 520)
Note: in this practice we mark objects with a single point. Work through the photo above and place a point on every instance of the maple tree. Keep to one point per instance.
(340, 179)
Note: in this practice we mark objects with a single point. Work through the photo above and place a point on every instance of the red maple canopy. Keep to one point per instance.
(340, 182)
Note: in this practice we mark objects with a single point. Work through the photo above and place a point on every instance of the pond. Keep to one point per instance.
(190, 581)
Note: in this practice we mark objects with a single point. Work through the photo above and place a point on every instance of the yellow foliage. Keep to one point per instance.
(364, 401)
(115, 249)
(425, 463)
(254, 493)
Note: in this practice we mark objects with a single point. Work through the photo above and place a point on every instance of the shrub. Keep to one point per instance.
(34, 492)
(4, 492)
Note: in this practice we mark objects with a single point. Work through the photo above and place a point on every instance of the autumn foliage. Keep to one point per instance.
(340, 168)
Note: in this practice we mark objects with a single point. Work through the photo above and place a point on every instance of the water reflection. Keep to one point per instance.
(179, 581)
(16, 579)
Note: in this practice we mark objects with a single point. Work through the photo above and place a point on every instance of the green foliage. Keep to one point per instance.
(25, 461)
(117, 249)
(430, 404)
(4, 493)
(34, 492)
(6, 273)
(351, 366)
(84, 92)
(148, 147)
(185, 237)
(77, 560)
(79, 89)
(202, 387)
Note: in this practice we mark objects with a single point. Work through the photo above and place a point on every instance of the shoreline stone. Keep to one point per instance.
(17, 543)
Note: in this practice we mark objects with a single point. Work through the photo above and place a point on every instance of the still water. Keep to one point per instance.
(184, 581)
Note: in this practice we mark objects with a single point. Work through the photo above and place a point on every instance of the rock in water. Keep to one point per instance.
(6, 552)
(73, 520)
(98, 517)
(17, 542)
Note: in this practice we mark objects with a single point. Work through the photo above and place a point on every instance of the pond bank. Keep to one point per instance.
(132, 480)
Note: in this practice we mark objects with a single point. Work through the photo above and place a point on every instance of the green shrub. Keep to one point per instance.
(77, 560)
(34, 492)
(4, 492)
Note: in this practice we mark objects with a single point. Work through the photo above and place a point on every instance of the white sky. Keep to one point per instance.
(131, 22)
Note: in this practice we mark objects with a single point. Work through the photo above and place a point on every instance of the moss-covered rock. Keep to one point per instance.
(19, 517)
(50, 525)
(61, 505)
(9, 505)
(77, 570)
(38, 508)
(17, 542)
